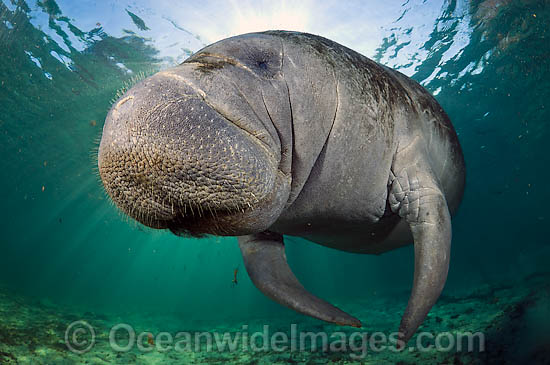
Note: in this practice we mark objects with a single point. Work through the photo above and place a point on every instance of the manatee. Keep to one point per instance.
(283, 133)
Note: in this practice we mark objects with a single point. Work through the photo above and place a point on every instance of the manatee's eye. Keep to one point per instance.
(263, 62)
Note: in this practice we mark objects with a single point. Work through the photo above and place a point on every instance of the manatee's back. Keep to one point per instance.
(387, 95)
(442, 142)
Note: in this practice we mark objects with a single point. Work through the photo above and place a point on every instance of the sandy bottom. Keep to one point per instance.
(513, 321)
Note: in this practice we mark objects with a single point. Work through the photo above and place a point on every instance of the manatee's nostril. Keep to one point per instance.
(262, 65)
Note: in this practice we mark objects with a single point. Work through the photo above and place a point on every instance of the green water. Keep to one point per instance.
(63, 243)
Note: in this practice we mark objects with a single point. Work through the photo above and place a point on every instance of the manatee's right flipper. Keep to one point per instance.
(265, 261)
(416, 196)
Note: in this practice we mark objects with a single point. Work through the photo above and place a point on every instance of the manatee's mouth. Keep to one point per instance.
(193, 171)
(215, 222)
(186, 199)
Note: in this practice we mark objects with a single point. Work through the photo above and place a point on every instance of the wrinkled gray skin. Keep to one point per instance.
(277, 133)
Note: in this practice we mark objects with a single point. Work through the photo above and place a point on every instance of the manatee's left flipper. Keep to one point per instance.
(265, 261)
(414, 194)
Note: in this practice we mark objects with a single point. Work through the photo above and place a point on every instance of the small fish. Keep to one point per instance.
(150, 339)
(235, 276)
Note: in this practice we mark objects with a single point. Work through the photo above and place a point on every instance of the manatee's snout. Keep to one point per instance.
(169, 160)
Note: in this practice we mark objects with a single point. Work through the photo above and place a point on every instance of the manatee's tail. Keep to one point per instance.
(265, 261)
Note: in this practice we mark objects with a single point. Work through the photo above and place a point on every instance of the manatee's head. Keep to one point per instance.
(194, 148)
